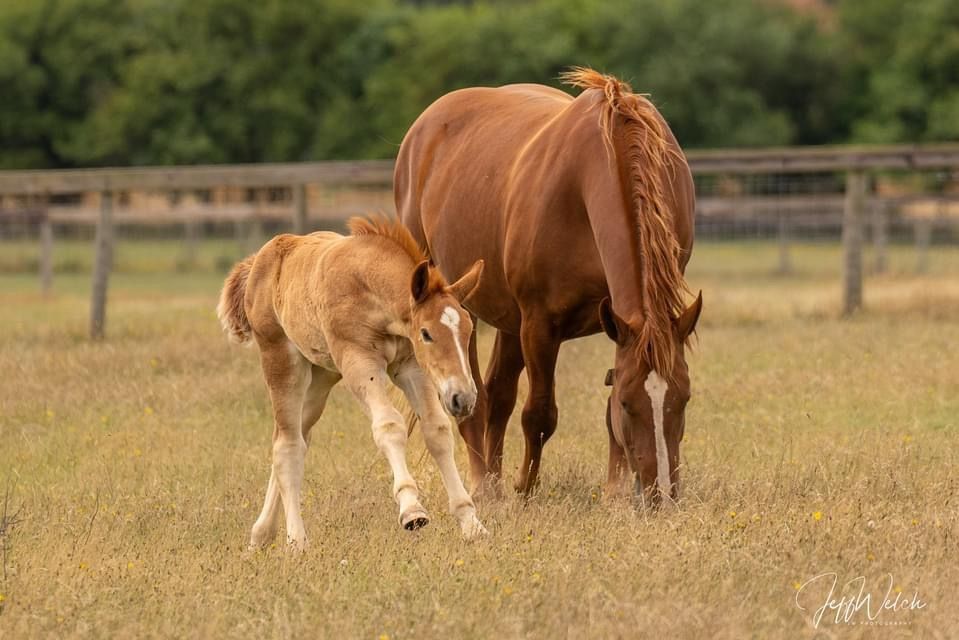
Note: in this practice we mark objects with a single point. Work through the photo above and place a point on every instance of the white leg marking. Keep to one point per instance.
(451, 319)
(656, 388)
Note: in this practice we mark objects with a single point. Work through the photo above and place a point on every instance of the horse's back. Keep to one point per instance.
(453, 180)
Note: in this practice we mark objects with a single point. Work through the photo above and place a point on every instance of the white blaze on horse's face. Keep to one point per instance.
(656, 388)
(647, 419)
(442, 350)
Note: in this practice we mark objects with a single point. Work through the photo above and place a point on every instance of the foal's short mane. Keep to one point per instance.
(393, 230)
(380, 225)
(648, 153)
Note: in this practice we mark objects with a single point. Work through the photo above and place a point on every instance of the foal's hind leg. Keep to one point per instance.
(368, 381)
(316, 395)
(288, 376)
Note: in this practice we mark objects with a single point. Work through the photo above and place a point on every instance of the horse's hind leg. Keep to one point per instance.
(473, 427)
(540, 349)
(502, 382)
(288, 376)
(368, 381)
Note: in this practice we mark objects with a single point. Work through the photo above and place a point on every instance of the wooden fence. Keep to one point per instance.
(36, 192)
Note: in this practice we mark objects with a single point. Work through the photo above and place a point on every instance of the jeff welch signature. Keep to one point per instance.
(853, 604)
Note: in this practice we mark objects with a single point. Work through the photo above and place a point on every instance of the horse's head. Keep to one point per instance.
(441, 330)
(647, 412)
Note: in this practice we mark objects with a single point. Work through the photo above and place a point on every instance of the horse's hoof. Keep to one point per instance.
(414, 519)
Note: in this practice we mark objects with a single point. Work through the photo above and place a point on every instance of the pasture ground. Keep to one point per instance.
(135, 467)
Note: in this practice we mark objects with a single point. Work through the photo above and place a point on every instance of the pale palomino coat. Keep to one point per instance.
(368, 309)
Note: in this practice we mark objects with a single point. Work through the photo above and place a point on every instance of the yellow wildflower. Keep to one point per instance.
(459, 563)
(817, 515)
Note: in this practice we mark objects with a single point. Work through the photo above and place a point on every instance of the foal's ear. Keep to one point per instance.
(613, 325)
(465, 286)
(686, 322)
(420, 283)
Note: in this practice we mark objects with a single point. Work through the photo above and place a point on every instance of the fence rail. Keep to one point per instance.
(786, 188)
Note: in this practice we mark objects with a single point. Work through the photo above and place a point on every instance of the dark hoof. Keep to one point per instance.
(416, 523)
(415, 519)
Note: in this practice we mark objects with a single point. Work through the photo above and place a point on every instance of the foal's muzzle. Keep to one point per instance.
(460, 403)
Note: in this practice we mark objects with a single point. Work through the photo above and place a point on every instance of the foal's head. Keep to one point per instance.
(647, 411)
(441, 330)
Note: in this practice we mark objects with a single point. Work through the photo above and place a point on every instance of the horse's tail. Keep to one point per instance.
(230, 310)
(650, 155)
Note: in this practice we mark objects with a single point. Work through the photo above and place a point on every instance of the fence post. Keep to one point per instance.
(852, 240)
(46, 252)
(300, 210)
(923, 232)
(880, 234)
(785, 263)
(102, 265)
(191, 229)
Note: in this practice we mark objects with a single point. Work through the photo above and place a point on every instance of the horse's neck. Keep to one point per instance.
(615, 232)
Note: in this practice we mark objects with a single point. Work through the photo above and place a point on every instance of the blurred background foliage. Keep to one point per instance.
(134, 82)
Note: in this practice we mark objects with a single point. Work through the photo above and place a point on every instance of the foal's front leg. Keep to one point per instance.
(439, 440)
(368, 380)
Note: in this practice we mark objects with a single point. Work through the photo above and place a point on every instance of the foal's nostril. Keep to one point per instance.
(457, 404)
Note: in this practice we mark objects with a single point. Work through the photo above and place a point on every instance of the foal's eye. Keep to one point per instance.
(426, 335)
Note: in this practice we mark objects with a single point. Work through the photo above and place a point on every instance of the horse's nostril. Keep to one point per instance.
(457, 403)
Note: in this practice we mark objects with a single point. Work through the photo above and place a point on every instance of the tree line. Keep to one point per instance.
(137, 82)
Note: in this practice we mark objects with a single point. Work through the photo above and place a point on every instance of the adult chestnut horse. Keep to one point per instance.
(576, 206)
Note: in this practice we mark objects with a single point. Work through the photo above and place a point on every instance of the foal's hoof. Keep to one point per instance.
(414, 519)
(472, 528)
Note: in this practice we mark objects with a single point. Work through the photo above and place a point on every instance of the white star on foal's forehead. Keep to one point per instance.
(450, 318)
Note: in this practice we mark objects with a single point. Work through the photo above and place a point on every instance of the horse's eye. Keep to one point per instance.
(426, 335)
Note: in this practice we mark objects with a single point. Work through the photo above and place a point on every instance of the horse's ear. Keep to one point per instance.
(686, 322)
(613, 325)
(420, 283)
(465, 286)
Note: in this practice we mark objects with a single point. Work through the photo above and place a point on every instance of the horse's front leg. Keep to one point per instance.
(439, 440)
(366, 377)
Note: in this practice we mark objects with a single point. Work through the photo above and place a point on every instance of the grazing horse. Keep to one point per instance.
(576, 206)
(366, 308)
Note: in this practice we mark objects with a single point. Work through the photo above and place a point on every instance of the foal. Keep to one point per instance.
(368, 309)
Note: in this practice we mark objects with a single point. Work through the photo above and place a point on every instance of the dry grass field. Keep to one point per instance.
(134, 469)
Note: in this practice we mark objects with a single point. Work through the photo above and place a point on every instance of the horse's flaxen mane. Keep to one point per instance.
(648, 153)
(393, 230)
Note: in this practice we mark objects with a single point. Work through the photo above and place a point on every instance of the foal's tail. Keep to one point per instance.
(231, 310)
